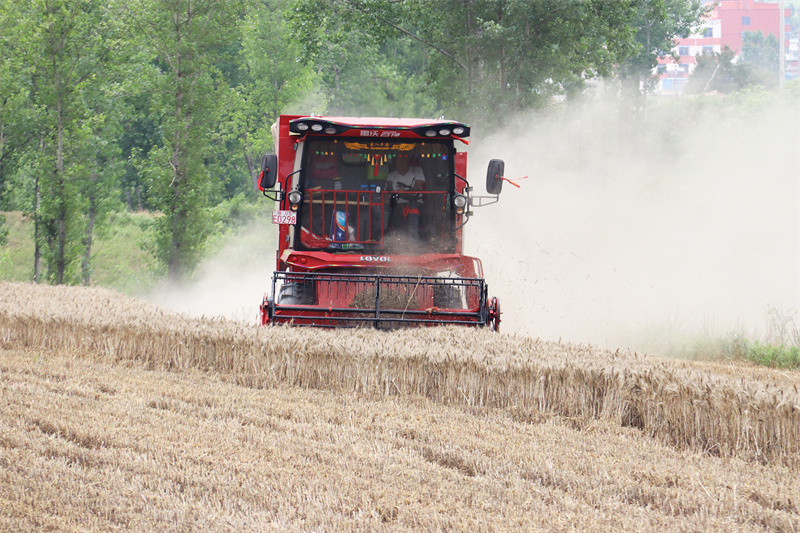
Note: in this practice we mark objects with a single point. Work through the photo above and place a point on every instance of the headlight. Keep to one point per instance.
(316, 127)
(460, 201)
(295, 197)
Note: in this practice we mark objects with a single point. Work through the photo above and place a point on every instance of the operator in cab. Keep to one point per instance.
(405, 177)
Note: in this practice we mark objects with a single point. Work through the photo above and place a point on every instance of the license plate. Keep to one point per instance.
(284, 217)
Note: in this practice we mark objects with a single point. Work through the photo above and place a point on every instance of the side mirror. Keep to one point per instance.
(269, 172)
(494, 176)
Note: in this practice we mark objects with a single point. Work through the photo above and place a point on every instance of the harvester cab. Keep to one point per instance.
(370, 215)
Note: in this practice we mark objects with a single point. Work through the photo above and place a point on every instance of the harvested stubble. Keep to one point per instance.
(672, 402)
(90, 446)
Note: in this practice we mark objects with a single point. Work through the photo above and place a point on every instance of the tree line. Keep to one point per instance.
(166, 105)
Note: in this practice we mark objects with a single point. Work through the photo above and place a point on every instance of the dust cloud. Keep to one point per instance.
(623, 235)
(626, 234)
(230, 284)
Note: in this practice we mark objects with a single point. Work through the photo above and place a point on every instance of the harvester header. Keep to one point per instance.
(370, 215)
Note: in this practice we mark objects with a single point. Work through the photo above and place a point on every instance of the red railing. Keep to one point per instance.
(369, 216)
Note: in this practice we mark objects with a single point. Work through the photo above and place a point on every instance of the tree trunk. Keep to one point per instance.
(37, 252)
(61, 219)
(252, 169)
(86, 265)
(502, 68)
(2, 156)
(174, 266)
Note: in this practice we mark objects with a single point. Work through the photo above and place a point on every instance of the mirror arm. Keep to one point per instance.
(480, 201)
(277, 198)
(280, 195)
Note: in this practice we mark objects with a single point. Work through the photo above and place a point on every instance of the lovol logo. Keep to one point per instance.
(376, 259)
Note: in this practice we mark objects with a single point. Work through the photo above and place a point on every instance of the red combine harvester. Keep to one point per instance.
(370, 215)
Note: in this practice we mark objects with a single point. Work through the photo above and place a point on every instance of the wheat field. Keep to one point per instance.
(117, 415)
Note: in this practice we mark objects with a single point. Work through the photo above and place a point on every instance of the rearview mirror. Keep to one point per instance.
(494, 176)
(269, 172)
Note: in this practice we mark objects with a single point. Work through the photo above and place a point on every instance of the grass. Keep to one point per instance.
(778, 346)
(16, 258)
(118, 260)
(773, 356)
(119, 257)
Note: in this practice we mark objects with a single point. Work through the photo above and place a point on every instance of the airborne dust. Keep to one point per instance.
(642, 233)
(625, 233)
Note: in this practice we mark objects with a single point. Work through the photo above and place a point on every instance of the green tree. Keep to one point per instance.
(367, 66)
(658, 25)
(64, 43)
(484, 59)
(275, 76)
(761, 52)
(719, 72)
(184, 39)
(17, 115)
(140, 134)
(99, 188)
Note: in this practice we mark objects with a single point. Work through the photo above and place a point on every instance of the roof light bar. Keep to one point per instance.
(443, 129)
(320, 125)
(314, 125)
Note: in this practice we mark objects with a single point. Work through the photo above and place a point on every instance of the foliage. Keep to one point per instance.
(183, 39)
(658, 24)
(63, 42)
(166, 105)
(773, 356)
(118, 259)
(761, 54)
(3, 231)
(718, 72)
(480, 58)
(274, 76)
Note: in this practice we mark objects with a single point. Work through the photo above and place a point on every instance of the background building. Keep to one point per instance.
(725, 26)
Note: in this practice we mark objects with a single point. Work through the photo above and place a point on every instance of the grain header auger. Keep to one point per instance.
(370, 215)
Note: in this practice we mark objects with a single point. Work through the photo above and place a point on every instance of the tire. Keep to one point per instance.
(296, 293)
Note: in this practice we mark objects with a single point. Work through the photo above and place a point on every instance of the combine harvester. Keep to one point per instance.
(370, 215)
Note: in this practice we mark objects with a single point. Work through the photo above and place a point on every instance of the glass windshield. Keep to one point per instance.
(387, 195)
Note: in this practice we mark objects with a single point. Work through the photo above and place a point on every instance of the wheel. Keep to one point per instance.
(266, 310)
(494, 314)
(297, 293)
